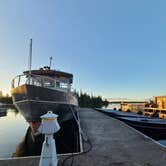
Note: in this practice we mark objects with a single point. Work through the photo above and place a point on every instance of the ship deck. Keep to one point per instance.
(113, 143)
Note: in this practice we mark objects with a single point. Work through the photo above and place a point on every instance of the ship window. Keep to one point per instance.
(148, 110)
(49, 84)
(63, 85)
(163, 112)
(58, 84)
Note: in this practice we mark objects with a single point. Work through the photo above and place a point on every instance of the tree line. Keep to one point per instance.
(86, 100)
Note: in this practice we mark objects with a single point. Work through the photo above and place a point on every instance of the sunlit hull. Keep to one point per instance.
(34, 101)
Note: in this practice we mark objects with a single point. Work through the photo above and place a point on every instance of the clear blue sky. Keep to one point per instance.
(114, 48)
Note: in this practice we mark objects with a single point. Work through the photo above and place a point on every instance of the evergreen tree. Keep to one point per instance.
(86, 100)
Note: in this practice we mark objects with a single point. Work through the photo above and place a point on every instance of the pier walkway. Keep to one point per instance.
(113, 144)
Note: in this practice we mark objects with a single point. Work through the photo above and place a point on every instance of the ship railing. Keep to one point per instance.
(42, 81)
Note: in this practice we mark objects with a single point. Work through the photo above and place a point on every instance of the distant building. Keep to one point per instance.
(133, 106)
(160, 101)
(157, 107)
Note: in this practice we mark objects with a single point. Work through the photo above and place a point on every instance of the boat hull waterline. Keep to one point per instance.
(34, 101)
(152, 127)
(155, 130)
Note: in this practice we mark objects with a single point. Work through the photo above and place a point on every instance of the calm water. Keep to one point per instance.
(13, 128)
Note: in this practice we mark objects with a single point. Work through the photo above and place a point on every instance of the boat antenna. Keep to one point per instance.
(30, 57)
(50, 61)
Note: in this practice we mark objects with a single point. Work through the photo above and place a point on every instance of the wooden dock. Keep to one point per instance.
(113, 144)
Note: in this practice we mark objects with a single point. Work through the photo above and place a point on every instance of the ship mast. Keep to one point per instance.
(50, 61)
(30, 57)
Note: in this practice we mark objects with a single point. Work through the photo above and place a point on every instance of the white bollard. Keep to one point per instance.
(49, 126)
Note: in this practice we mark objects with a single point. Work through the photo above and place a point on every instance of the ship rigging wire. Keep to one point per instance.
(85, 140)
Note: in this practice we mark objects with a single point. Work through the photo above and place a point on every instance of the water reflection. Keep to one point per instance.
(18, 139)
(12, 129)
(67, 140)
(163, 142)
(4, 113)
(14, 110)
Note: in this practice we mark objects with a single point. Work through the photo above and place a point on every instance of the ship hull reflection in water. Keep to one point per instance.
(67, 141)
(18, 140)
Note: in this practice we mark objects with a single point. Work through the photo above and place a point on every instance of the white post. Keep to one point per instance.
(49, 126)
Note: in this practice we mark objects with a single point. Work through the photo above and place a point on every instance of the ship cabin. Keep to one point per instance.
(45, 77)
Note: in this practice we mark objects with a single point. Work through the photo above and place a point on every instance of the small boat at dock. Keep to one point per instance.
(117, 114)
(150, 126)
